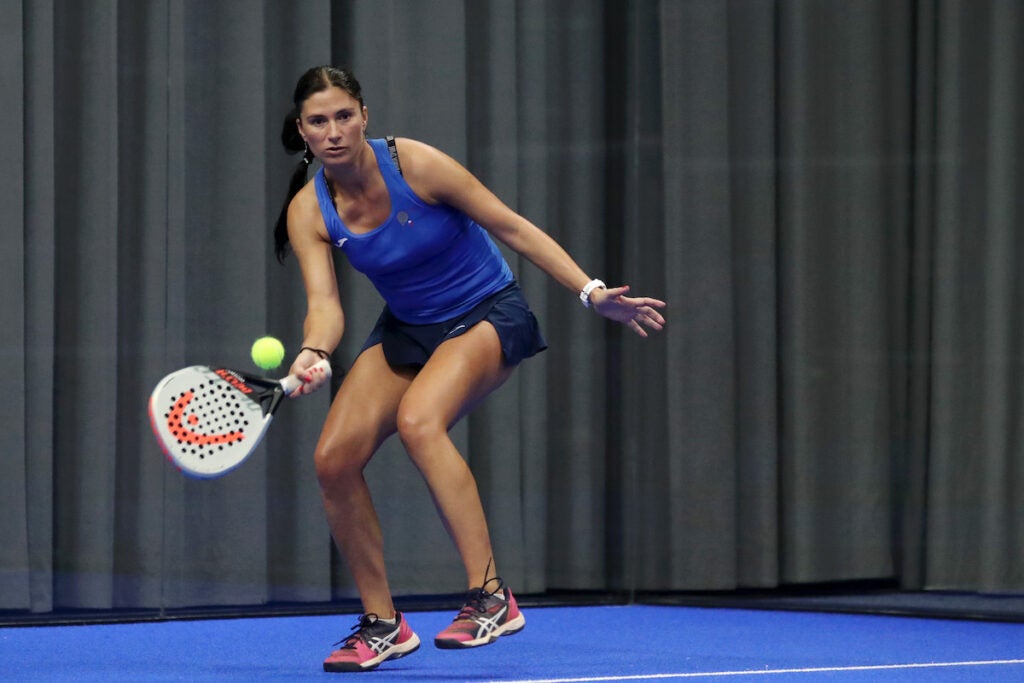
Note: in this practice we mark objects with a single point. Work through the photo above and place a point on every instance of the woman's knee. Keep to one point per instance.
(417, 428)
(340, 459)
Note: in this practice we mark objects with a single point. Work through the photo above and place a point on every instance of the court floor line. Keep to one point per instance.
(769, 672)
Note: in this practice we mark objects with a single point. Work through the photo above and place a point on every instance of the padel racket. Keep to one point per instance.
(209, 419)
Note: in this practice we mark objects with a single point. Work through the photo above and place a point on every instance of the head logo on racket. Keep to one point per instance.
(176, 425)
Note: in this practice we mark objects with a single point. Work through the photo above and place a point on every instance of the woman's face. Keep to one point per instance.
(333, 125)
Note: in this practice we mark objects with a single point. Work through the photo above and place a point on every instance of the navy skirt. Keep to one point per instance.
(506, 310)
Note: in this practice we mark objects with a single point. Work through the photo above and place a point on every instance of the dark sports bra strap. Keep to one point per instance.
(394, 152)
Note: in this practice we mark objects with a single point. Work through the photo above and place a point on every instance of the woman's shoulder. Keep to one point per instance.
(427, 168)
(304, 208)
(306, 197)
(415, 150)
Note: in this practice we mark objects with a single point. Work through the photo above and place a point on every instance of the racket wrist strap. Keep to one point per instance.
(319, 352)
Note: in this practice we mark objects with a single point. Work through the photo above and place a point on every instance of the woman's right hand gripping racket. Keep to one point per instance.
(208, 420)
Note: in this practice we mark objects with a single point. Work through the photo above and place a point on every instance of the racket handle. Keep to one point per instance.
(291, 382)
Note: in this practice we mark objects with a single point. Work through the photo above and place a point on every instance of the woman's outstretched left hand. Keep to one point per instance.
(636, 313)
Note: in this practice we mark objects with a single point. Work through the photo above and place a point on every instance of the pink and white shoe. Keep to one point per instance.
(483, 619)
(371, 643)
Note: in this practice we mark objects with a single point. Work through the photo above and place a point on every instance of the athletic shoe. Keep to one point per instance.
(371, 643)
(485, 616)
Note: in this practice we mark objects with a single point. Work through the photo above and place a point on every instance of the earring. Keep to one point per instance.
(305, 154)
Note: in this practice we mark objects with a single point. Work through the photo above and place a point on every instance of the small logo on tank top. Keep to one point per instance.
(403, 218)
(340, 243)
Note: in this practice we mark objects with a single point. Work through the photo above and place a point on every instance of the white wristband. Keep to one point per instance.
(588, 288)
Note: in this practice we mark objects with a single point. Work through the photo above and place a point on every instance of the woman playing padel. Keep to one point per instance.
(454, 327)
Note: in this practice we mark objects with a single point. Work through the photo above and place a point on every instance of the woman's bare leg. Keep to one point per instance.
(460, 373)
(361, 417)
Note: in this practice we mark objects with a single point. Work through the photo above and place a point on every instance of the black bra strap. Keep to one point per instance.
(394, 152)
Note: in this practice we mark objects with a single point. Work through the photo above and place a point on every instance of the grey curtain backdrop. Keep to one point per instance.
(827, 193)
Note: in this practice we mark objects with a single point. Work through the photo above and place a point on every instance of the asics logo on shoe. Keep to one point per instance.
(378, 645)
(489, 625)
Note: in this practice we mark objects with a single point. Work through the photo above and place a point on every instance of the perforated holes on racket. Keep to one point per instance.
(207, 418)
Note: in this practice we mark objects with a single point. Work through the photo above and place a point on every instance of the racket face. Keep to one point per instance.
(207, 420)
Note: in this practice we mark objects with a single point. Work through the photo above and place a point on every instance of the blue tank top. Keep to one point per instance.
(431, 263)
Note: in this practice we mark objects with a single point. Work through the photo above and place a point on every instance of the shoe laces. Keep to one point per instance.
(476, 598)
(359, 631)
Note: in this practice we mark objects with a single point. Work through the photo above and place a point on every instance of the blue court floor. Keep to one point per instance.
(564, 644)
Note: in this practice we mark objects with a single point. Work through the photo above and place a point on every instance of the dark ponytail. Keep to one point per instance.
(317, 79)
(293, 143)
